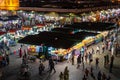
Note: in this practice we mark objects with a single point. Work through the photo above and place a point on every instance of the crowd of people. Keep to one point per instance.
(4, 59)
(110, 43)
(87, 58)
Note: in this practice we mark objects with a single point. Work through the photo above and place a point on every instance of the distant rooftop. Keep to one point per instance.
(73, 4)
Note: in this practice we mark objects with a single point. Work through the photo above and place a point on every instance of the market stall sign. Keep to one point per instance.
(9, 4)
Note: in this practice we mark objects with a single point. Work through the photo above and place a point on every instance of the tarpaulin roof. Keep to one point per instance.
(63, 30)
(92, 26)
(54, 39)
(1, 33)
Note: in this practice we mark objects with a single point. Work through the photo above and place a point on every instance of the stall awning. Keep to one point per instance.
(26, 28)
(40, 25)
(1, 33)
(92, 26)
(12, 30)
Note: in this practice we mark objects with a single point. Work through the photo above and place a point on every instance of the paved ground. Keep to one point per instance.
(12, 70)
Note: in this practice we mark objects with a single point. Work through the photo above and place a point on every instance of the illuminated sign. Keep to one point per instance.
(9, 4)
(1, 1)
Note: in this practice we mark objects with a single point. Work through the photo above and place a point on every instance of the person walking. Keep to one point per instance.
(1, 74)
(52, 66)
(41, 68)
(61, 76)
(66, 73)
(91, 73)
(108, 77)
(103, 48)
(112, 50)
(98, 50)
(83, 65)
(93, 51)
(84, 78)
(103, 76)
(82, 59)
(7, 59)
(106, 44)
(91, 69)
(97, 62)
(86, 72)
(72, 59)
(90, 58)
(20, 52)
(68, 57)
(78, 61)
(105, 61)
(86, 56)
(4, 61)
(111, 64)
(99, 75)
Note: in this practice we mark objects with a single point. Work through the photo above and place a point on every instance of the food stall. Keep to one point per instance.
(88, 40)
(38, 27)
(26, 30)
(98, 38)
(77, 46)
(54, 53)
(33, 50)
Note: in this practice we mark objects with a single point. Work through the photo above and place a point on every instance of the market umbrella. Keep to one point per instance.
(12, 30)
